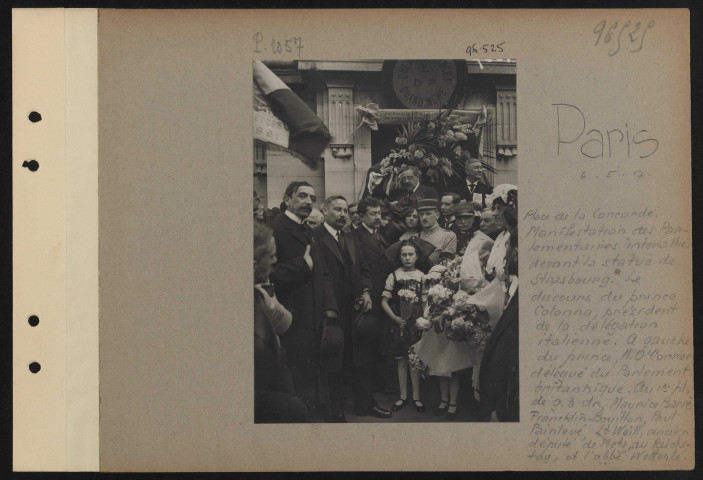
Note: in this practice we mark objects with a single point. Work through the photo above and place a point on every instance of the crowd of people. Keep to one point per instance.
(342, 288)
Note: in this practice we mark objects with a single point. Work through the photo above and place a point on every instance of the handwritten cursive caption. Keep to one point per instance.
(612, 379)
(621, 36)
(485, 48)
(277, 46)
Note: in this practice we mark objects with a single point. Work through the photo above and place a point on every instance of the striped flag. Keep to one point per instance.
(283, 120)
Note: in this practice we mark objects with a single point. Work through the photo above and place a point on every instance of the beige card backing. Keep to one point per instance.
(144, 186)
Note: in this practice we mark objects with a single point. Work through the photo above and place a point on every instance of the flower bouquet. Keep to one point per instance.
(451, 309)
(438, 146)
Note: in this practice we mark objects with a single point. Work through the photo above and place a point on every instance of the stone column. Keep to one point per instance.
(336, 108)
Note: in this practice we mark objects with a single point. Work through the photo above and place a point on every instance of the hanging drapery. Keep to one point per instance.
(284, 121)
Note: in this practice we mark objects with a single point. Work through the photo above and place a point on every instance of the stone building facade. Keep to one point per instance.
(334, 88)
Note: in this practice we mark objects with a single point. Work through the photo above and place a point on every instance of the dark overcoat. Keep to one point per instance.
(305, 293)
(498, 378)
(372, 261)
(348, 280)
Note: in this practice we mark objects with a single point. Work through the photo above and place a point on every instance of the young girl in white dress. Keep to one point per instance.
(402, 302)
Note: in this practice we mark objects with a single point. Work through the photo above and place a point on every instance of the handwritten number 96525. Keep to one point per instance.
(621, 34)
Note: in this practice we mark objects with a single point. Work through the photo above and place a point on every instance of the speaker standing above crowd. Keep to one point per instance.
(341, 278)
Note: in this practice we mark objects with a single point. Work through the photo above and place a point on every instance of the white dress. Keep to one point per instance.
(443, 356)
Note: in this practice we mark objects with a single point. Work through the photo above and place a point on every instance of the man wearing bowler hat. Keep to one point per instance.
(443, 240)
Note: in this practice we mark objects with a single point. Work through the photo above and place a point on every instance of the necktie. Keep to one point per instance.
(378, 238)
(340, 240)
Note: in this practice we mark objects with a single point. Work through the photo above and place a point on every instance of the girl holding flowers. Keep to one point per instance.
(458, 330)
(402, 302)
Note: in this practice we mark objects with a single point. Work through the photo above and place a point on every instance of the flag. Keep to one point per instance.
(282, 119)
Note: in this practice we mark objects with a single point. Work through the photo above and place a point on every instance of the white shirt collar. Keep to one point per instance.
(371, 230)
(293, 217)
(332, 231)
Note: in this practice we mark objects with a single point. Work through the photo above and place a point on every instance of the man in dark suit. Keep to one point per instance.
(473, 189)
(302, 287)
(447, 214)
(409, 178)
(371, 247)
(351, 283)
(498, 379)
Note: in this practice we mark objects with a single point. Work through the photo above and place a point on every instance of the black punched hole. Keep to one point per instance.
(35, 117)
(34, 367)
(32, 165)
(33, 320)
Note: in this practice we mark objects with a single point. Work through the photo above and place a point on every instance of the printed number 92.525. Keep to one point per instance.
(485, 48)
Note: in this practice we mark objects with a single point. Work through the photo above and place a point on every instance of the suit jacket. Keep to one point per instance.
(305, 293)
(463, 190)
(422, 191)
(348, 279)
(372, 261)
(498, 378)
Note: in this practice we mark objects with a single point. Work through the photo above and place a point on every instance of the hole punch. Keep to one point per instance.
(33, 320)
(35, 117)
(34, 367)
(32, 165)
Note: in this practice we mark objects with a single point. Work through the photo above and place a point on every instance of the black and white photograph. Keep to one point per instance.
(385, 201)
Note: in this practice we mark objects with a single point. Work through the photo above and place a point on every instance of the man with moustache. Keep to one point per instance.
(443, 240)
(499, 379)
(302, 288)
(351, 284)
(371, 249)
(354, 218)
(409, 179)
(473, 189)
(447, 206)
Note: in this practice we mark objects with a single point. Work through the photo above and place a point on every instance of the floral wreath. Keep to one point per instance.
(438, 147)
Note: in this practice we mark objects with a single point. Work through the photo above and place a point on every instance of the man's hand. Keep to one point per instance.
(367, 301)
(307, 257)
(329, 315)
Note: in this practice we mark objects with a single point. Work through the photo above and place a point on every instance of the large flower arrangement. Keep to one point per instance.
(451, 309)
(439, 147)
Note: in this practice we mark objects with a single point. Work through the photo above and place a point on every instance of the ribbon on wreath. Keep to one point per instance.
(369, 116)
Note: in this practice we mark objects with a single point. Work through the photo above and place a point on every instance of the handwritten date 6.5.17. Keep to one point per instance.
(615, 174)
(277, 46)
(621, 36)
